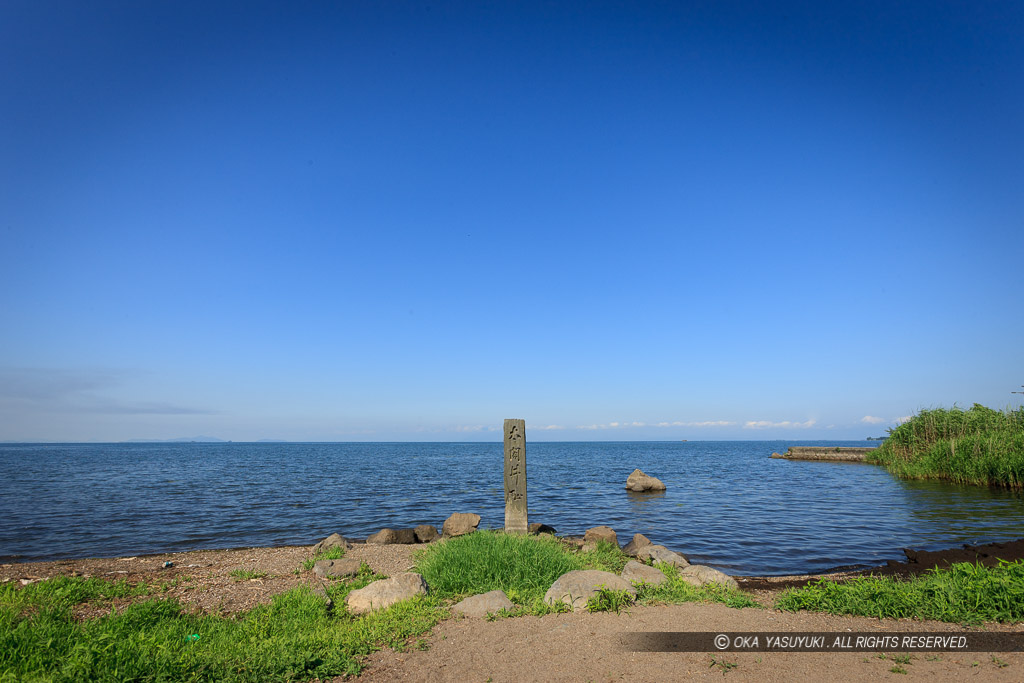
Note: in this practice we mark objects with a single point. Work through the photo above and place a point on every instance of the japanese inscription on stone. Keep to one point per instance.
(515, 476)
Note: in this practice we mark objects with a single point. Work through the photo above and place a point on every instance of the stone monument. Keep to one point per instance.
(515, 476)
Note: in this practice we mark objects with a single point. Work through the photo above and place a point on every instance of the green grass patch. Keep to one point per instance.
(364, 576)
(976, 446)
(964, 593)
(536, 608)
(674, 591)
(64, 592)
(608, 600)
(335, 553)
(724, 665)
(294, 637)
(526, 566)
(606, 557)
(522, 566)
(247, 574)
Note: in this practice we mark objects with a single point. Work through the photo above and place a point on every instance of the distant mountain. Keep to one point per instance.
(184, 439)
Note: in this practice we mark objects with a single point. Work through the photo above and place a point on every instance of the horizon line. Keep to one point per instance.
(171, 442)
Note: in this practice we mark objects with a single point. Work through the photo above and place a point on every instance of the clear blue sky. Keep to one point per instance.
(398, 221)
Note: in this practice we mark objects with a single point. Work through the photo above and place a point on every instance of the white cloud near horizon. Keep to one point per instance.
(872, 420)
(785, 424)
(677, 423)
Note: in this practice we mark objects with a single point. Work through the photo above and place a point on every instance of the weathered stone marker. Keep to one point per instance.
(515, 476)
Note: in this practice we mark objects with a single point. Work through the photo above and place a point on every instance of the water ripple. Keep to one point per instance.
(727, 503)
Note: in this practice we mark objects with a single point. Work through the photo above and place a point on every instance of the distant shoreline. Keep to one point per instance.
(178, 442)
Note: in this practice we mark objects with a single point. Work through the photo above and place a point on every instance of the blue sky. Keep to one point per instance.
(393, 221)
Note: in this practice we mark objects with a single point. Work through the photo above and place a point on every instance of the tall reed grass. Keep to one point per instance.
(977, 446)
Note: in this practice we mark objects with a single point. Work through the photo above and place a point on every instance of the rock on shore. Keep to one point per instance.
(381, 594)
(699, 575)
(595, 535)
(336, 568)
(483, 604)
(639, 541)
(577, 587)
(659, 553)
(389, 536)
(460, 523)
(332, 541)
(638, 572)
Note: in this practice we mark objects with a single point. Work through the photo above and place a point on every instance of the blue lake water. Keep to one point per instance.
(728, 504)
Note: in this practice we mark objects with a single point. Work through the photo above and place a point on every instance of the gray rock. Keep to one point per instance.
(384, 593)
(659, 553)
(638, 572)
(575, 588)
(405, 536)
(383, 537)
(538, 528)
(639, 482)
(600, 533)
(481, 605)
(332, 541)
(336, 568)
(639, 541)
(460, 523)
(698, 575)
(425, 533)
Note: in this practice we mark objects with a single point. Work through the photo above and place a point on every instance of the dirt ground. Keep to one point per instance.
(586, 647)
(568, 647)
(203, 579)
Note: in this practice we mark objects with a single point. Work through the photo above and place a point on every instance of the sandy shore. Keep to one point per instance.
(557, 647)
(585, 647)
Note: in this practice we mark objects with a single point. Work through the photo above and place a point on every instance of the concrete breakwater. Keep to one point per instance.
(831, 453)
